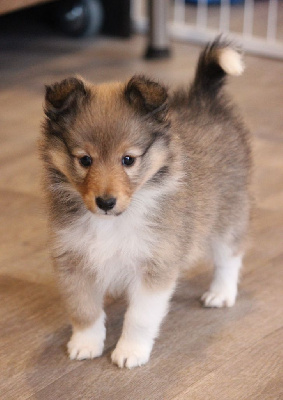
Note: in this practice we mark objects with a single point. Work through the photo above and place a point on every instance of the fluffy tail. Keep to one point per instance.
(218, 59)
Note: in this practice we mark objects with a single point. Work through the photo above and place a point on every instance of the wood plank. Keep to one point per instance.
(193, 342)
(254, 374)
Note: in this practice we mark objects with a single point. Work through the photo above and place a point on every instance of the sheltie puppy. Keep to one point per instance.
(140, 184)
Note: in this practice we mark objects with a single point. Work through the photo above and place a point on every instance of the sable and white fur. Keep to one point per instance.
(186, 196)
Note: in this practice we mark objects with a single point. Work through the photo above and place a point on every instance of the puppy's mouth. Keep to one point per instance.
(113, 213)
(108, 214)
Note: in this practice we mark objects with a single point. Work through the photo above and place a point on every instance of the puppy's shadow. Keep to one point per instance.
(32, 343)
(48, 359)
(194, 326)
(39, 331)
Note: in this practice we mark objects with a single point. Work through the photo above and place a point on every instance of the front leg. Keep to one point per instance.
(87, 342)
(147, 308)
(84, 301)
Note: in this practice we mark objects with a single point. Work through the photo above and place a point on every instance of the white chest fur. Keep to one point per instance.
(114, 247)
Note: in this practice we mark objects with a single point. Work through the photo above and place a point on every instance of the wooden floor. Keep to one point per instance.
(201, 354)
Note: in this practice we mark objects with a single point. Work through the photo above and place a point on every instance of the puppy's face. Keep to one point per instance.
(107, 141)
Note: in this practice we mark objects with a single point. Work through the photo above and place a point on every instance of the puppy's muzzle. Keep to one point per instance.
(105, 204)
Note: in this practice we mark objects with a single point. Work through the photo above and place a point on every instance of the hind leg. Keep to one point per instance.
(224, 286)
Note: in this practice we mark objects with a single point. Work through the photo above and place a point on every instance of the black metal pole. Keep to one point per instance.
(158, 46)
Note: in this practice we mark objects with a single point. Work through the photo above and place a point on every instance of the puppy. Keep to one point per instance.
(140, 185)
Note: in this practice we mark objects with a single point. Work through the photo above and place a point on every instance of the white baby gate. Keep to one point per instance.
(255, 24)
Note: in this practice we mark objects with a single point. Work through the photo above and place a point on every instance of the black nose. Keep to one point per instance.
(105, 204)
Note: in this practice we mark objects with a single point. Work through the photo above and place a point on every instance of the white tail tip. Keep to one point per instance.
(231, 61)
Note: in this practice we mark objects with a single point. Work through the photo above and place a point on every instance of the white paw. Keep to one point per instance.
(85, 345)
(130, 355)
(218, 298)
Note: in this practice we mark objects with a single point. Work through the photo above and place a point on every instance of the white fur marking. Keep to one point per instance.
(113, 247)
(88, 343)
(224, 286)
(141, 326)
(231, 61)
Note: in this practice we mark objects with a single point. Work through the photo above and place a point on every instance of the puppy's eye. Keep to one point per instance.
(128, 161)
(86, 161)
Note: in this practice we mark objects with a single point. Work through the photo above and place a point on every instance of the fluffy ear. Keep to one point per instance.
(147, 97)
(63, 97)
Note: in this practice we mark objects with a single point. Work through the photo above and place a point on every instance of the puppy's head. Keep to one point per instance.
(107, 141)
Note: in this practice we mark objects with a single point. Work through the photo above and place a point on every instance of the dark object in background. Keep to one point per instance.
(79, 17)
(117, 18)
(158, 45)
(82, 18)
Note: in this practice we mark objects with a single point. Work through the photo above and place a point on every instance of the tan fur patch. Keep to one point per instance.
(106, 181)
(60, 159)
